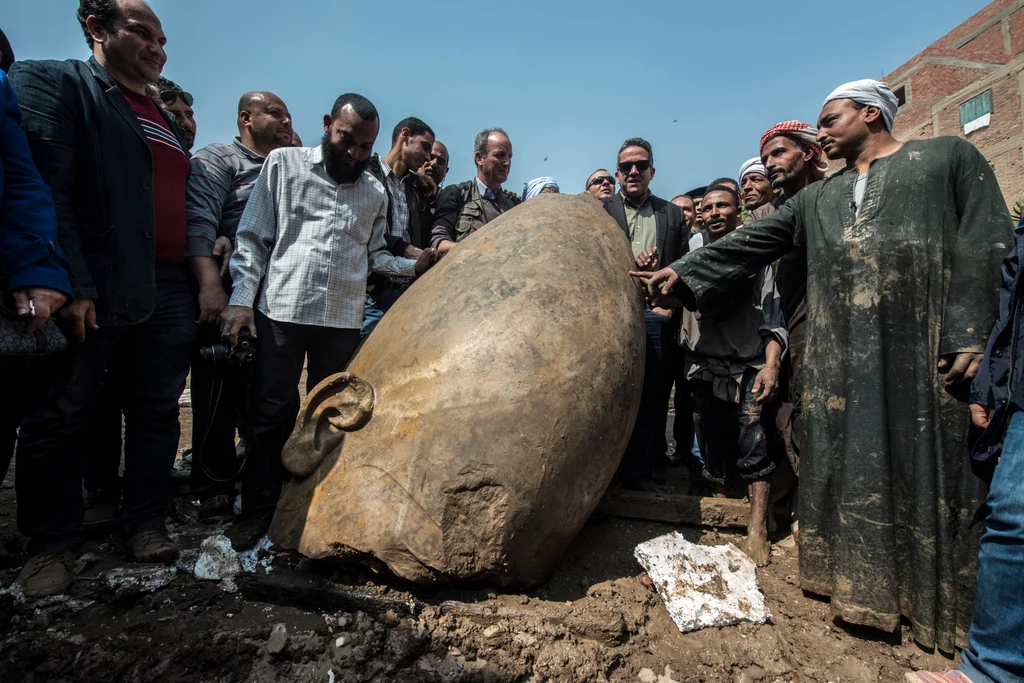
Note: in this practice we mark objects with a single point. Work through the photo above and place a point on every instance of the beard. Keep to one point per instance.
(339, 169)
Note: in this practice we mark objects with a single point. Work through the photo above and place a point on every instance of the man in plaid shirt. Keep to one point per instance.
(312, 231)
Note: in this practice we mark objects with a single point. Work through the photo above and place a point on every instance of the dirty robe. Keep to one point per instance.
(886, 493)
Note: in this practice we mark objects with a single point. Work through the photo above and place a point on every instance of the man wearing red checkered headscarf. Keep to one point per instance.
(793, 160)
(792, 157)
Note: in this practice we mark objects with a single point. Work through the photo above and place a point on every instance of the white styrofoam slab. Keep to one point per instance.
(703, 585)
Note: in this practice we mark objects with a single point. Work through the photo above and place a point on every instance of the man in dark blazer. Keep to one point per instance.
(656, 232)
(117, 169)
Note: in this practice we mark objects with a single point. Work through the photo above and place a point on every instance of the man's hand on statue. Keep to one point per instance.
(659, 283)
(233, 319)
(981, 416)
(960, 367)
(412, 252)
(766, 383)
(648, 260)
(427, 258)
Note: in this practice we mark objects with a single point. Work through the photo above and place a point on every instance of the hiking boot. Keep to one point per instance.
(217, 508)
(99, 514)
(153, 545)
(47, 574)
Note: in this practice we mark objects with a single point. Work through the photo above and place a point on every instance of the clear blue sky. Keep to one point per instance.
(568, 80)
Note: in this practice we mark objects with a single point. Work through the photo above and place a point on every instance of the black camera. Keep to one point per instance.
(242, 354)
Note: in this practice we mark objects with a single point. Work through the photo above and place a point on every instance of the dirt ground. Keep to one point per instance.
(592, 621)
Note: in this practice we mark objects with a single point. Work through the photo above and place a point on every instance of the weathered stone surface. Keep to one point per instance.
(476, 429)
(278, 639)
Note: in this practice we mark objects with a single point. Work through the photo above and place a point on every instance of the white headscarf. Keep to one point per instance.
(870, 93)
(752, 166)
(533, 188)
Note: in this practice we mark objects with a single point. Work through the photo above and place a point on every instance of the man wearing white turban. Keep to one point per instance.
(544, 185)
(869, 93)
(904, 247)
(755, 190)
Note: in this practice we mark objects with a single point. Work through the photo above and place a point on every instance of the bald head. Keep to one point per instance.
(264, 122)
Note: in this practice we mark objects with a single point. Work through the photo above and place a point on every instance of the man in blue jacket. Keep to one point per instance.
(31, 264)
(994, 652)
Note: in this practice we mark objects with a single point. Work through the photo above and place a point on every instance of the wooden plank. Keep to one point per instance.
(307, 590)
(676, 508)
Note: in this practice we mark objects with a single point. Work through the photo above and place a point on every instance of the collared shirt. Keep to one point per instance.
(486, 192)
(643, 227)
(399, 204)
(305, 243)
(222, 178)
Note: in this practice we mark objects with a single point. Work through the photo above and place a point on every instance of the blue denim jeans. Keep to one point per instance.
(376, 307)
(995, 651)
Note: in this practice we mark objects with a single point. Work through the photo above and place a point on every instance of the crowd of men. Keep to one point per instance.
(829, 324)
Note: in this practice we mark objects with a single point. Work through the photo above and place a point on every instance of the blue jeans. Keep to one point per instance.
(995, 651)
(376, 307)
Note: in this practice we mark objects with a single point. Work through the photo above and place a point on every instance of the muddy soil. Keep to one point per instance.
(592, 621)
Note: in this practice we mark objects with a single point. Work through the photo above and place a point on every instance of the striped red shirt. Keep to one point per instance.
(170, 176)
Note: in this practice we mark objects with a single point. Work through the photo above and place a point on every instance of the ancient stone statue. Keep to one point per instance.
(479, 425)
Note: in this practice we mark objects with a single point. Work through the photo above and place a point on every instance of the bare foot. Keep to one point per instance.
(757, 548)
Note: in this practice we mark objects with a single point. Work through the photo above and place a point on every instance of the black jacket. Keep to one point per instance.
(92, 152)
(670, 226)
(419, 232)
(1002, 369)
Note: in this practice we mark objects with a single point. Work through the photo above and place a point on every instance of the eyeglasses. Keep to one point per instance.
(601, 179)
(627, 166)
(168, 96)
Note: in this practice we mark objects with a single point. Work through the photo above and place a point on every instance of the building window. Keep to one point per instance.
(976, 107)
(901, 95)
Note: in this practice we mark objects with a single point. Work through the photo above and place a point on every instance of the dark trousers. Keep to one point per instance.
(789, 415)
(274, 401)
(731, 435)
(101, 458)
(58, 409)
(219, 392)
(13, 376)
(648, 440)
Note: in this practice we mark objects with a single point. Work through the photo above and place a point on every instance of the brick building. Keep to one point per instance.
(970, 83)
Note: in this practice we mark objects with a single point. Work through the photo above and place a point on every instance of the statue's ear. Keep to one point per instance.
(341, 403)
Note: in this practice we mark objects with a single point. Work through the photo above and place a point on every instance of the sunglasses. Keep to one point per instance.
(168, 96)
(601, 179)
(627, 166)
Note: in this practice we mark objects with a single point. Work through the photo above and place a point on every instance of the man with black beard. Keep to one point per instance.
(312, 228)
